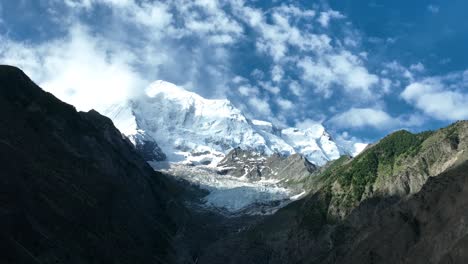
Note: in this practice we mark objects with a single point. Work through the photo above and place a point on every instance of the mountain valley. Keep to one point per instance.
(184, 179)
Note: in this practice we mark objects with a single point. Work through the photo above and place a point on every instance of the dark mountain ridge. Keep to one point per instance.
(72, 189)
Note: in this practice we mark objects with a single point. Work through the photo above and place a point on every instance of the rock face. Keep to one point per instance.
(403, 200)
(147, 147)
(254, 166)
(399, 165)
(430, 227)
(72, 189)
(196, 130)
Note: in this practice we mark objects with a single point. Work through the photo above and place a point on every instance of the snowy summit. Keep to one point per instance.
(195, 130)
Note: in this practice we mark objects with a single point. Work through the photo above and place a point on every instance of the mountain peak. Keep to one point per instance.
(168, 89)
(196, 130)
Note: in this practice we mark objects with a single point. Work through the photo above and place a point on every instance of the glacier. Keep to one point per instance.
(196, 133)
(232, 195)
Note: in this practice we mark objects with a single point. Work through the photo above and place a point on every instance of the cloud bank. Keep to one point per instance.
(293, 63)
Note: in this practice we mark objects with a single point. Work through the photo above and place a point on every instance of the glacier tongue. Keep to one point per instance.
(234, 195)
(193, 130)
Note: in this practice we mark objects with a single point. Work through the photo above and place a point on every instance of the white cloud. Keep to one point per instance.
(352, 144)
(284, 103)
(277, 35)
(296, 88)
(277, 73)
(261, 105)
(154, 15)
(357, 118)
(343, 69)
(419, 67)
(79, 3)
(208, 18)
(443, 98)
(239, 79)
(194, 44)
(247, 90)
(363, 117)
(257, 74)
(77, 69)
(386, 85)
(268, 86)
(325, 17)
(398, 70)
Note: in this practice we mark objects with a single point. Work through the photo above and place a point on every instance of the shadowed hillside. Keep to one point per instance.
(72, 189)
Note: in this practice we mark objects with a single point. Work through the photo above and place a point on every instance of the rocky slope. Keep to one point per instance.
(72, 189)
(398, 165)
(340, 221)
(254, 166)
(430, 227)
(196, 130)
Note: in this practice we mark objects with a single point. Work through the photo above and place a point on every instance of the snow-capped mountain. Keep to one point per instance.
(191, 129)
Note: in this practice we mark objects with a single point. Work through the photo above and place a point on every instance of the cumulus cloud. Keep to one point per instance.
(363, 117)
(395, 69)
(248, 90)
(79, 69)
(295, 88)
(278, 33)
(277, 73)
(343, 69)
(208, 18)
(94, 61)
(443, 98)
(261, 105)
(357, 118)
(419, 67)
(284, 103)
(326, 16)
(148, 40)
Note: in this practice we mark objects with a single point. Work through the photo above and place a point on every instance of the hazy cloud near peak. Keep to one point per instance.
(288, 63)
(193, 43)
(80, 69)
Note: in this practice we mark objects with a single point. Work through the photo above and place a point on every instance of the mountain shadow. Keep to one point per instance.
(73, 189)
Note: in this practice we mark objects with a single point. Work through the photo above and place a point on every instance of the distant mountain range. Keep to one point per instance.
(191, 129)
(73, 189)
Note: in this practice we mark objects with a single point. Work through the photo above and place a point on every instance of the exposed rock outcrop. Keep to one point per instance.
(255, 166)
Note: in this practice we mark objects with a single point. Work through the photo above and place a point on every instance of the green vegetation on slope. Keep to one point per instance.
(384, 159)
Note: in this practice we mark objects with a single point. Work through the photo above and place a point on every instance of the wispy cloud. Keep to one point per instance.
(284, 62)
(341, 69)
(358, 118)
(326, 16)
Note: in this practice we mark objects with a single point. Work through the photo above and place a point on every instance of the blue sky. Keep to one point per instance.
(362, 68)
